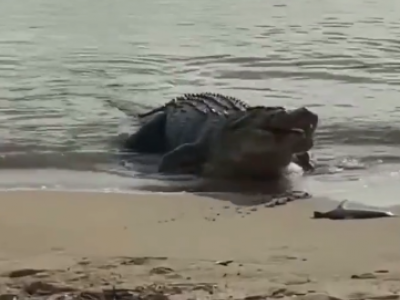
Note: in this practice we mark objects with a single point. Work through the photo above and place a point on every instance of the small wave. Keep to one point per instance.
(359, 134)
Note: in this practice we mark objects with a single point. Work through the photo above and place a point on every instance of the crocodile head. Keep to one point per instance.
(261, 142)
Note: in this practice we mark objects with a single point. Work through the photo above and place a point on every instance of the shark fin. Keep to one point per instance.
(342, 204)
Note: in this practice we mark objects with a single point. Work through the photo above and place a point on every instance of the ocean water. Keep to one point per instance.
(63, 62)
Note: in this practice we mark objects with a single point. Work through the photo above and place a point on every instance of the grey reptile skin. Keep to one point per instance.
(214, 135)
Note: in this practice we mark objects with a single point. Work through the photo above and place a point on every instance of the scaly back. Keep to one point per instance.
(204, 103)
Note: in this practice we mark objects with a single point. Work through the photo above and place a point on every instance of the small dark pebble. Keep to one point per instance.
(256, 297)
(24, 272)
(224, 262)
(363, 276)
(8, 297)
(382, 271)
(161, 270)
(43, 288)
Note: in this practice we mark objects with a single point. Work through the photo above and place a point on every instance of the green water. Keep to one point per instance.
(61, 62)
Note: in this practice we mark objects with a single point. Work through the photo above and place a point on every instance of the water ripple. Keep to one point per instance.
(61, 63)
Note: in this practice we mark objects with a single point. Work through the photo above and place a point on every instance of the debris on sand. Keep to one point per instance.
(224, 262)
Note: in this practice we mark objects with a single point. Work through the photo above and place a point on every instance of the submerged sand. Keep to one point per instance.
(53, 243)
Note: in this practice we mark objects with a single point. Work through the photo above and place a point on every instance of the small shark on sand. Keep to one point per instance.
(342, 213)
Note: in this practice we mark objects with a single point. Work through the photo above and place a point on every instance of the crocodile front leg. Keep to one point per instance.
(150, 138)
(186, 158)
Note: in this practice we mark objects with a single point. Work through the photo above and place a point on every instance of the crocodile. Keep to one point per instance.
(215, 135)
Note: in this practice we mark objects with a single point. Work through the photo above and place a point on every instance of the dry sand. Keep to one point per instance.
(52, 242)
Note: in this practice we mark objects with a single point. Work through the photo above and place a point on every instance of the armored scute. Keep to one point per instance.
(213, 135)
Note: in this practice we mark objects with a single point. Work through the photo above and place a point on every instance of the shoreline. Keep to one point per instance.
(317, 200)
(370, 188)
(98, 240)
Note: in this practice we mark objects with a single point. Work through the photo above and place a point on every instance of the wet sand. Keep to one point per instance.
(55, 242)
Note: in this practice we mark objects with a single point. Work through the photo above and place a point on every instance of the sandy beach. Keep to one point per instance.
(55, 243)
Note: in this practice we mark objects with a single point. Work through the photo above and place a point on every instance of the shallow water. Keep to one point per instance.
(62, 62)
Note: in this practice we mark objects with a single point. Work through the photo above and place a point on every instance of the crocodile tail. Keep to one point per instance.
(127, 107)
(151, 112)
(123, 107)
